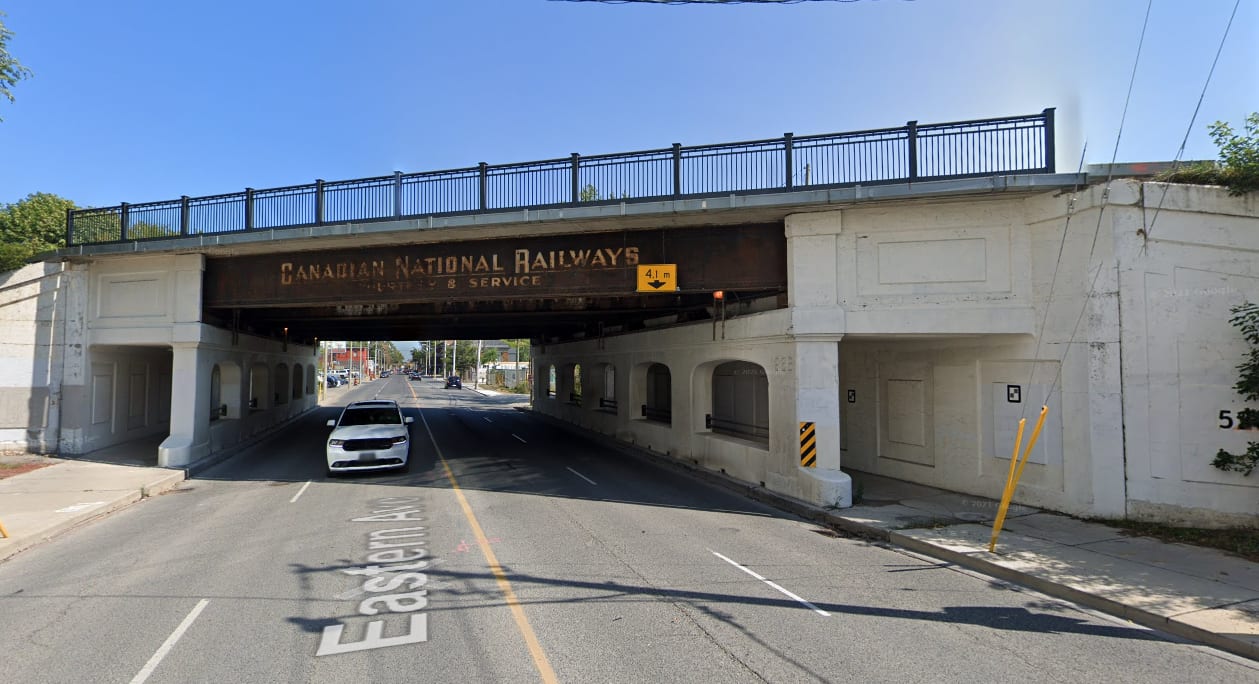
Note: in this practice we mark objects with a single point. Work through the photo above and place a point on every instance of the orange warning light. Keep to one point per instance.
(719, 295)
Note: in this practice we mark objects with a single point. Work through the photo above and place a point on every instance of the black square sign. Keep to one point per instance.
(852, 396)
(1014, 394)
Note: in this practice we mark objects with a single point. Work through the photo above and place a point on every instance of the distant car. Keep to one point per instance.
(333, 381)
(415, 376)
(454, 381)
(369, 435)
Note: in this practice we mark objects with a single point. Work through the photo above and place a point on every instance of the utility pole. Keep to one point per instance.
(476, 373)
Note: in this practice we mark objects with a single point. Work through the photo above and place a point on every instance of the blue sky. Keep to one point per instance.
(141, 101)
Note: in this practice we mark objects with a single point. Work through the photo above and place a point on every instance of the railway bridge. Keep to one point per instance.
(780, 310)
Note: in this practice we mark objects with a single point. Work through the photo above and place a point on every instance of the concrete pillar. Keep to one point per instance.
(189, 438)
(817, 401)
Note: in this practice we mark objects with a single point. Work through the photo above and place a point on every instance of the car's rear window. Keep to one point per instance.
(371, 416)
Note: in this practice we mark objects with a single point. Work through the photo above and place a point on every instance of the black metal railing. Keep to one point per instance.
(758, 433)
(663, 415)
(1021, 144)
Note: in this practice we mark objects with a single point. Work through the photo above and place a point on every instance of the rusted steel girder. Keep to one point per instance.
(746, 257)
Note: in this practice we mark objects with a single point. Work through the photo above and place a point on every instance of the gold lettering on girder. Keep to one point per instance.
(485, 271)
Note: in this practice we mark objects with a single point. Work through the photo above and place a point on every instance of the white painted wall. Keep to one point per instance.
(1179, 276)
(32, 333)
(691, 353)
(942, 305)
(144, 312)
(938, 307)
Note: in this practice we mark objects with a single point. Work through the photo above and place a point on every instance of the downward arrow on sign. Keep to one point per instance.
(656, 284)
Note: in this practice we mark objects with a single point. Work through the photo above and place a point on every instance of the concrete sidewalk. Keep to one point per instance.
(43, 503)
(1199, 594)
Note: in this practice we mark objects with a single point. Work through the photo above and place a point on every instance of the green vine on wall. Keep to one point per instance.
(1245, 318)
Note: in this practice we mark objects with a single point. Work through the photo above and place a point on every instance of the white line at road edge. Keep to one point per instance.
(582, 476)
(170, 643)
(810, 606)
(522, 439)
(299, 492)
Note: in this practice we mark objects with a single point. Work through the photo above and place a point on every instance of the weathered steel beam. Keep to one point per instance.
(595, 265)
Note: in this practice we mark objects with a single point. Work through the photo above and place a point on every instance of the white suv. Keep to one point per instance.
(369, 435)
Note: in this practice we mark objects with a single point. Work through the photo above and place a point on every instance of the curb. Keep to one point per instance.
(827, 518)
(161, 485)
(797, 507)
(164, 484)
(1141, 617)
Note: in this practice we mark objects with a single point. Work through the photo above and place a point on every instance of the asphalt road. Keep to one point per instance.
(534, 556)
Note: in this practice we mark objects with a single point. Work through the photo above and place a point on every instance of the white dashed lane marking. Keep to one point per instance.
(810, 606)
(167, 645)
(581, 476)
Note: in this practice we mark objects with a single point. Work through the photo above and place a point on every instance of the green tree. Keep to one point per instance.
(465, 357)
(1238, 167)
(1239, 154)
(521, 347)
(590, 193)
(30, 226)
(11, 70)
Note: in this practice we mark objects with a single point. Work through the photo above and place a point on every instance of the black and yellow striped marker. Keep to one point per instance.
(808, 446)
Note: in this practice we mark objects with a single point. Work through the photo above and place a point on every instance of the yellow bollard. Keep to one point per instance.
(4, 534)
(1012, 480)
(1014, 460)
(1008, 491)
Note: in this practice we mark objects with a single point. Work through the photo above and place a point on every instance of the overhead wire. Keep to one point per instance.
(1096, 231)
(1189, 129)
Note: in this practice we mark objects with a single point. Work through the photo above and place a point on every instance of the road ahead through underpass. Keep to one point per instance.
(515, 551)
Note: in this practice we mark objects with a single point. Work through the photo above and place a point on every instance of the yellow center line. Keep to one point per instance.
(518, 612)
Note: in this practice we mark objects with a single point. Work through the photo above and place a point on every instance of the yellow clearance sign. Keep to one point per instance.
(658, 278)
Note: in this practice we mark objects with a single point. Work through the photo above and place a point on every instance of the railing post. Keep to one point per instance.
(1050, 154)
(787, 150)
(249, 208)
(318, 201)
(125, 218)
(912, 128)
(677, 169)
(485, 184)
(184, 213)
(69, 227)
(576, 177)
(397, 194)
